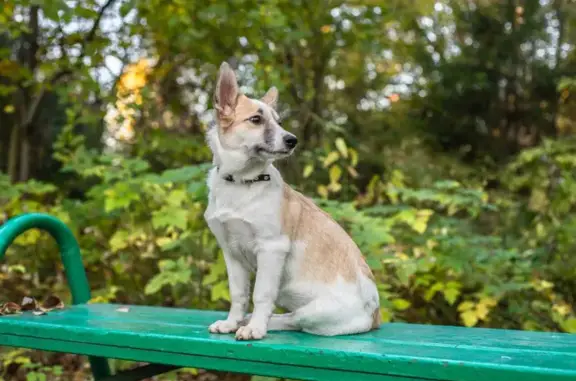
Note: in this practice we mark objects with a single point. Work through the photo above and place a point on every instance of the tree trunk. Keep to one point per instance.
(24, 159)
(14, 153)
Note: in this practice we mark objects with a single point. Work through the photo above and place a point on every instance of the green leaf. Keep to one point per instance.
(570, 325)
(438, 286)
(220, 291)
(170, 216)
(401, 304)
(217, 271)
(119, 240)
(451, 294)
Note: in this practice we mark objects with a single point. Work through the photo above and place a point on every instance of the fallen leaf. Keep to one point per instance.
(52, 303)
(29, 304)
(10, 308)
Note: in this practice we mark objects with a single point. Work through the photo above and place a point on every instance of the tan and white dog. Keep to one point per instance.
(303, 260)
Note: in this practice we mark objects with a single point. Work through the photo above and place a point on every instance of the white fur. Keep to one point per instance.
(246, 220)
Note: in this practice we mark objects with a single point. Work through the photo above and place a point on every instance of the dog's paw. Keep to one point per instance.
(250, 332)
(223, 326)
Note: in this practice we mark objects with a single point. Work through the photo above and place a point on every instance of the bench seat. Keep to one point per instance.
(398, 352)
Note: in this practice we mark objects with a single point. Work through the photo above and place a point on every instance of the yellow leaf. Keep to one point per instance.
(334, 187)
(342, 148)
(562, 309)
(322, 191)
(469, 318)
(353, 156)
(331, 158)
(538, 200)
(402, 256)
(481, 311)
(9, 109)
(424, 213)
(490, 302)
(97, 299)
(419, 226)
(161, 241)
(352, 171)
(464, 306)
(335, 173)
(308, 169)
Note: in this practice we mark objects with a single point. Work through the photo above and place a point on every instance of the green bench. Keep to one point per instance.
(171, 338)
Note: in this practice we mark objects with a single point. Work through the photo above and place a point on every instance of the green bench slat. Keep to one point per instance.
(398, 352)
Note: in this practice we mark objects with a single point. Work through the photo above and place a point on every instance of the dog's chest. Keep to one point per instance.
(241, 217)
(241, 241)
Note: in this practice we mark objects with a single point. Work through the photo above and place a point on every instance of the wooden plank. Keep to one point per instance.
(396, 350)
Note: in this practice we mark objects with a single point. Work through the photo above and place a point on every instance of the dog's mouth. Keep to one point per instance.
(263, 151)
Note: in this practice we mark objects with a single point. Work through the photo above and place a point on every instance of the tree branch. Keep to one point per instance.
(33, 111)
(92, 32)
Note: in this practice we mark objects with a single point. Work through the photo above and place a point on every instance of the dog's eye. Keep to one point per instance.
(256, 119)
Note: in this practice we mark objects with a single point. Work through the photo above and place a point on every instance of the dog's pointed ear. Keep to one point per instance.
(226, 94)
(271, 97)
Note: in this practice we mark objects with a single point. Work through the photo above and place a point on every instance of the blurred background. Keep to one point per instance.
(440, 134)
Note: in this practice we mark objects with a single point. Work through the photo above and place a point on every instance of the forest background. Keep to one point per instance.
(440, 134)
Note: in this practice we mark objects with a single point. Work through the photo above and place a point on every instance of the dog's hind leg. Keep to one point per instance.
(327, 317)
(278, 322)
(283, 322)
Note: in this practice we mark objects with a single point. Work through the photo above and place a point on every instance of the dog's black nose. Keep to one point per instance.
(290, 141)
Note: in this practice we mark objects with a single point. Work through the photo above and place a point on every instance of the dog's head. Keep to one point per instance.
(249, 126)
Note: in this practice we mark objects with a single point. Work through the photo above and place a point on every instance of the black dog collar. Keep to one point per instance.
(258, 178)
(262, 177)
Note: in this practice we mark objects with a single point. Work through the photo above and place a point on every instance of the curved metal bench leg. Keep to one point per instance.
(71, 258)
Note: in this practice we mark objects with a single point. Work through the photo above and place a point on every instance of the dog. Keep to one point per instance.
(302, 259)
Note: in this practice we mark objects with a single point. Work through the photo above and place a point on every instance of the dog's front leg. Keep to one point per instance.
(239, 286)
(270, 257)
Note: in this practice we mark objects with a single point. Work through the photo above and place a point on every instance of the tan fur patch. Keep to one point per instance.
(328, 252)
(245, 108)
(376, 319)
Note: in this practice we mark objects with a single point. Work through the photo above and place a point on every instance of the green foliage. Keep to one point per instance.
(439, 134)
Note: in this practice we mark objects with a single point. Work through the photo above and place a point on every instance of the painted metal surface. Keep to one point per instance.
(71, 259)
(179, 338)
(395, 352)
